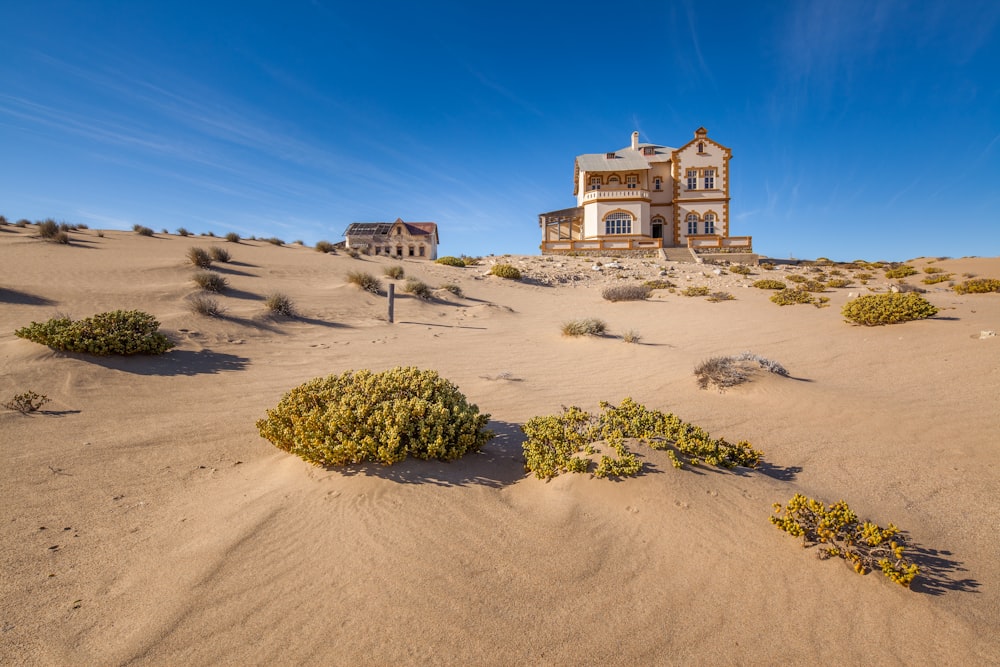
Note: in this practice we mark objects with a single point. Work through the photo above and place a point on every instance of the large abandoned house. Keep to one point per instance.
(645, 197)
(418, 240)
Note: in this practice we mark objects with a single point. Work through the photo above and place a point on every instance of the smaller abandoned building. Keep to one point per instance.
(415, 240)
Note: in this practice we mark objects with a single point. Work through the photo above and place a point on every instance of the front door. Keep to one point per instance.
(657, 230)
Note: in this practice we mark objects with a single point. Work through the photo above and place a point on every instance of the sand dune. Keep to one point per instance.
(146, 522)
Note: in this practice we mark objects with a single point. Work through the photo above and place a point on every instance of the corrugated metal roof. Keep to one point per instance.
(625, 159)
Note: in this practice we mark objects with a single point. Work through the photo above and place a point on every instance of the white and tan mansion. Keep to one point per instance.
(645, 197)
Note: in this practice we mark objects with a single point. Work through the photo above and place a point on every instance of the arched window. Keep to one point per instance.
(692, 220)
(614, 180)
(618, 222)
(709, 223)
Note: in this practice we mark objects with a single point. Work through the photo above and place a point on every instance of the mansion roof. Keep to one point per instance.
(625, 159)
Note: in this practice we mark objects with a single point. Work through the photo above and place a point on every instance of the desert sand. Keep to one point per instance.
(145, 522)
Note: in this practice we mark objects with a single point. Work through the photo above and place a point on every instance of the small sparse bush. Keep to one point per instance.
(47, 229)
(790, 297)
(209, 281)
(740, 269)
(900, 272)
(199, 257)
(471, 261)
(418, 288)
(202, 304)
(183, 232)
(117, 332)
(100, 233)
(450, 261)
(142, 231)
(325, 247)
(3, 221)
(274, 240)
(233, 237)
(562, 443)
(506, 271)
(796, 278)
(279, 304)
(352, 253)
(769, 284)
(625, 293)
(26, 402)
(22, 223)
(838, 282)
(725, 372)
(812, 286)
(933, 269)
(716, 297)
(767, 266)
(65, 227)
(453, 288)
(978, 286)
(394, 271)
(631, 336)
(658, 284)
(937, 278)
(699, 290)
(365, 281)
(219, 254)
(863, 276)
(380, 417)
(60, 237)
(906, 287)
(586, 327)
(864, 544)
(209, 233)
(890, 308)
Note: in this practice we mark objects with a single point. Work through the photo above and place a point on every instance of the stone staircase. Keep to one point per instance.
(677, 255)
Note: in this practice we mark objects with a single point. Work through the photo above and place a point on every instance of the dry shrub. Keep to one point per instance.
(209, 281)
(394, 271)
(219, 254)
(418, 288)
(453, 288)
(279, 304)
(625, 293)
(199, 257)
(142, 231)
(365, 281)
(631, 336)
(725, 372)
(716, 297)
(589, 326)
(26, 402)
(325, 247)
(183, 232)
(233, 237)
(202, 304)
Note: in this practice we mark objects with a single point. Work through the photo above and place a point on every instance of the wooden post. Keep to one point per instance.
(392, 300)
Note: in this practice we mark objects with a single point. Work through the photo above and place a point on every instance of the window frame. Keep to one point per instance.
(692, 220)
(708, 176)
(692, 179)
(618, 223)
(709, 223)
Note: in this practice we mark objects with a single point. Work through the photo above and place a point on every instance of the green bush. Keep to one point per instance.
(978, 286)
(790, 297)
(863, 276)
(506, 271)
(900, 272)
(325, 247)
(586, 327)
(555, 443)
(365, 281)
(380, 417)
(658, 284)
(394, 271)
(625, 293)
(937, 278)
(838, 282)
(812, 286)
(866, 545)
(199, 257)
(796, 278)
(219, 254)
(447, 260)
(890, 308)
(769, 284)
(696, 290)
(279, 304)
(933, 269)
(209, 281)
(26, 402)
(117, 332)
(233, 237)
(418, 288)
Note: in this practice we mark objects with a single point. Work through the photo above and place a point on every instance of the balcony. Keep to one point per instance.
(603, 244)
(602, 195)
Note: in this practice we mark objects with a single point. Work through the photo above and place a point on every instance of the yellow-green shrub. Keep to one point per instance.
(506, 271)
(900, 271)
(380, 417)
(890, 308)
(769, 284)
(658, 284)
(555, 443)
(447, 260)
(864, 544)
(696, 290)
(937, 278)
(978, 286)
(838, 282)
(117, 332)
(790, 297)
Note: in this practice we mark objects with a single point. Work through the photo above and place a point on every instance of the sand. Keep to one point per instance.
(144, 521)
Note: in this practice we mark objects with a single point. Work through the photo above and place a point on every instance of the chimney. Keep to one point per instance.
(635, 141)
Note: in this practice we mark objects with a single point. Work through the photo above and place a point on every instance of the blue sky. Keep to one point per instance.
(858, 129)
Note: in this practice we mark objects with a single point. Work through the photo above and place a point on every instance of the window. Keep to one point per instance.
(399, 251)
(709, 179)
(609, 156)
(658, 183)
(709, 223)
(411, 251)
(595, 182)
(701, 147)
(614, 180)
(692, 175)
(648, 150)
(399, 230)
(619, 222)
(632, 182)
(422, 253)
(692, 220)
